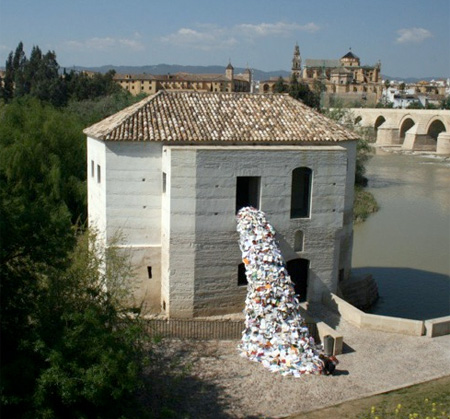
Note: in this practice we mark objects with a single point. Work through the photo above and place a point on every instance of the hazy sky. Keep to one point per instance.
(410, 37)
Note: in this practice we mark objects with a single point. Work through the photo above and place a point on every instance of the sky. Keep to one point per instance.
(411, 38)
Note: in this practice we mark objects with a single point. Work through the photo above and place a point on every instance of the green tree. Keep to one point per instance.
(70, 348)
(7, 91)
(280, 86)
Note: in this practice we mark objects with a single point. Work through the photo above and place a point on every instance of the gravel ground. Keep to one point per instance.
(208, 379)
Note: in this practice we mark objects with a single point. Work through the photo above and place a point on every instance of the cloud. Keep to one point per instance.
(105, 44)
(274, 29)
(208, 36)
(415, 35)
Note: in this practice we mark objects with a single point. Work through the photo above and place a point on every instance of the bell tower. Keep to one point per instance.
(296, 62)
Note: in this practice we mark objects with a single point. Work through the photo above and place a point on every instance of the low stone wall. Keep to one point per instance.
(205, 329)
(438, 327)
(373, 321)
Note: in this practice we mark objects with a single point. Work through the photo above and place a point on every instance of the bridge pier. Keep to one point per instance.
(416, 138)
(387, 135)
(443, 143)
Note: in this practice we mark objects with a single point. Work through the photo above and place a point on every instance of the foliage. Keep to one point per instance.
(42, 160)
(69, 347)
(445, 103)
(40, 77)
(280, 86)
(384, 103)
(436, 407)
(415, 105)
(89, 111)
(364, 204)
(301, 91)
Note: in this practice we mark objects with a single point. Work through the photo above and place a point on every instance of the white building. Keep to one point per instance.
(171, 171)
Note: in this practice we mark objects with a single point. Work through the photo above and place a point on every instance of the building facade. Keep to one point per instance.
(344, 79)
(150, 84)
(171, 171)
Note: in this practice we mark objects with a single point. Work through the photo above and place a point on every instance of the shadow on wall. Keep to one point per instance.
(409, 293)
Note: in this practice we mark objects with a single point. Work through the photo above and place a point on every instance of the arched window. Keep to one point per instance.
(301, 192)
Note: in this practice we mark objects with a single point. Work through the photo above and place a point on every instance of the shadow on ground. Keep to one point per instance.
(174, 391)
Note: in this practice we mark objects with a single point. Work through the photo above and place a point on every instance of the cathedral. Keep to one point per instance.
(344, 80)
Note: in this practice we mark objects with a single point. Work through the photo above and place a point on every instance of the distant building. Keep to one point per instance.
(150, 84)
(425, 93)
(171, 171)
(344, 79)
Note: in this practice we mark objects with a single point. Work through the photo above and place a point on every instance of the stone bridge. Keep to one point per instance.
(410, 129)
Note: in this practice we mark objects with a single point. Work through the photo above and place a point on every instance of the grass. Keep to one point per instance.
(363, 205)
(429, 400)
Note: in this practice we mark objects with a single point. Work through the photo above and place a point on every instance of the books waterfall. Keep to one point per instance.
(275, 333)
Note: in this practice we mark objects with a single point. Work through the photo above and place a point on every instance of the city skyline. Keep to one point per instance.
(410, 38)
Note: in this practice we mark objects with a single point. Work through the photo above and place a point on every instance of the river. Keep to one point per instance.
(406, 244)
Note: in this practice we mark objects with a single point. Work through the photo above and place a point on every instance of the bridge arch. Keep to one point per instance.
(379, 121)
(406, 124)
(435, 127)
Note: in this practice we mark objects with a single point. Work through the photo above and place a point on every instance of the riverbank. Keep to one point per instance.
(364, 205)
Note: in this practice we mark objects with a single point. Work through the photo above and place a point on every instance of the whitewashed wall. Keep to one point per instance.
(127, 204)
(203, 238)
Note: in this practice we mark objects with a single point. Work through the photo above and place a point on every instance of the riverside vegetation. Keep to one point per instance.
(71, 346)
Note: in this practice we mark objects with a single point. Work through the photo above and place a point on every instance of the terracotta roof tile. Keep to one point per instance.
(219, 117)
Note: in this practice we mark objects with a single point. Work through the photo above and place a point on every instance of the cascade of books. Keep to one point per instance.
(275, 333)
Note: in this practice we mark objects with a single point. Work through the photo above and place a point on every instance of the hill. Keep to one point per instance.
(175, 68)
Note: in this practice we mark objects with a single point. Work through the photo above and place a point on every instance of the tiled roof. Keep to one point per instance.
(219, 118)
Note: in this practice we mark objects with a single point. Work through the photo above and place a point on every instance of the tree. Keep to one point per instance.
(8, 82)
(70, 348)
(280, 86)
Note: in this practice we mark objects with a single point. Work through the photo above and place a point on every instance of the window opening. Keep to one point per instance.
(242, 278)
(149, 271)
(92, 168)
(247, 191)
(298, 271)
(99, 174)
(301, 192)
(164, 182)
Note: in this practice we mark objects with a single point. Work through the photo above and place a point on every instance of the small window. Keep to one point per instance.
(149, 272)
(242, 278)
(247, 191)
(164, 182)
(92, 168)
(99, 174)
(301, 192)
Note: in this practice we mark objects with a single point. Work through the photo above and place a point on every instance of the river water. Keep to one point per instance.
(406, 244)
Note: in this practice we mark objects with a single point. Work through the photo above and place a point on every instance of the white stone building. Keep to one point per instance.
(171, 171)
